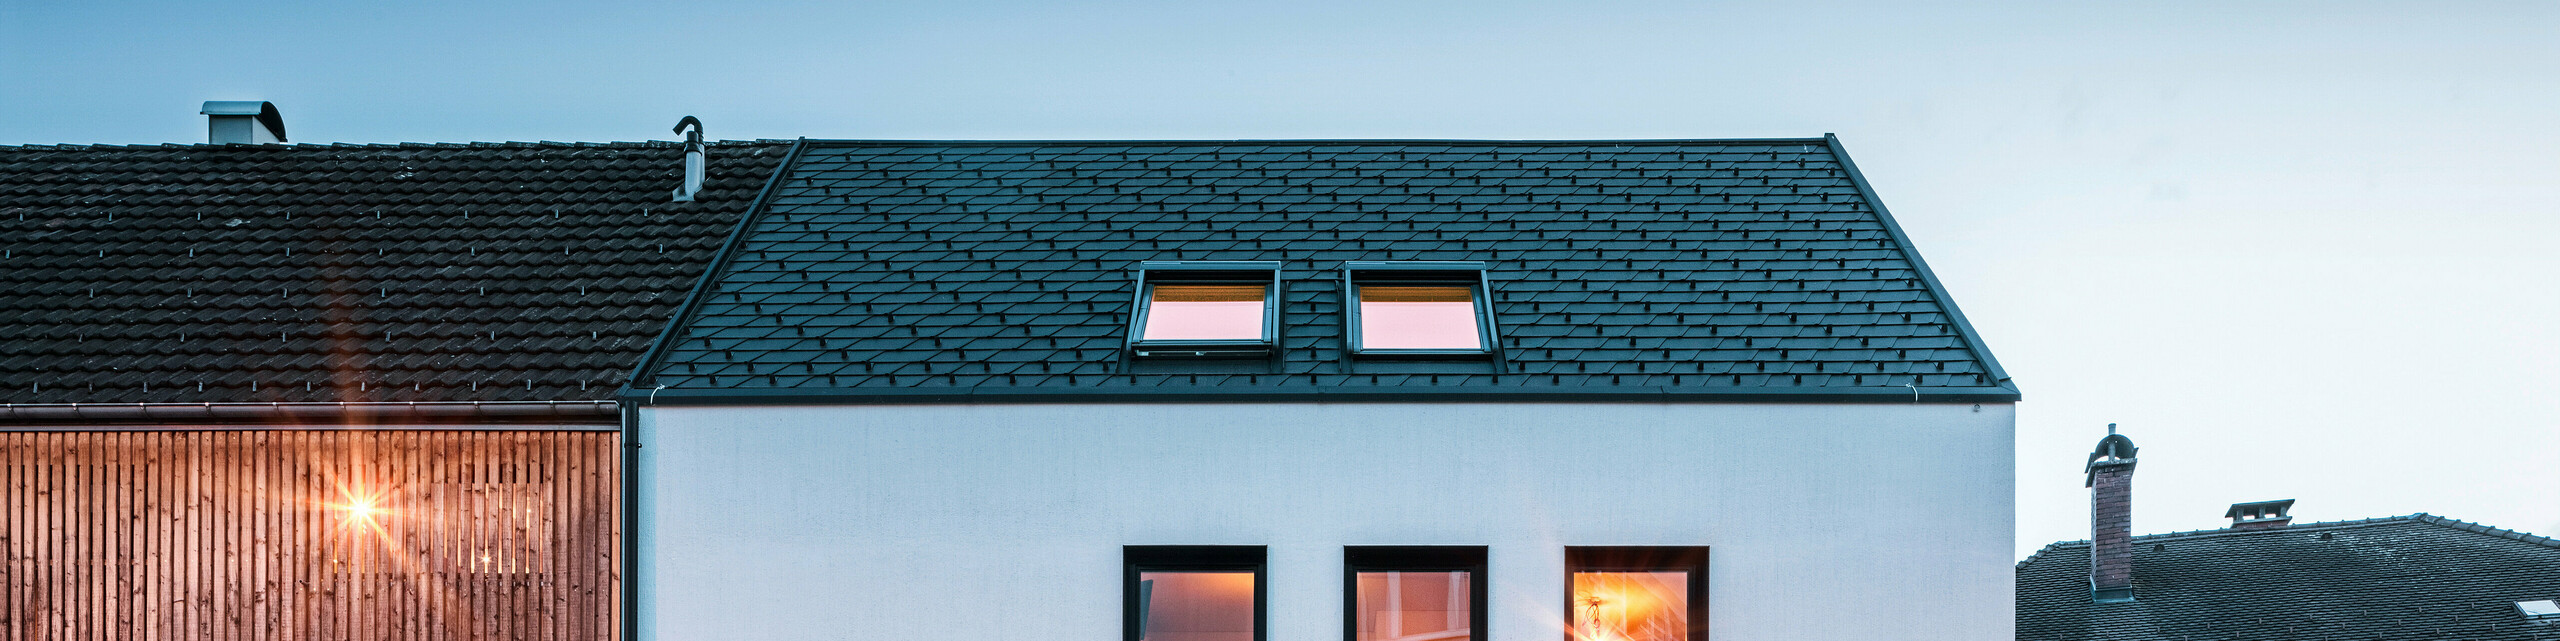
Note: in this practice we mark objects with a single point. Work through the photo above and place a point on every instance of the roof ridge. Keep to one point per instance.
(885, 142)
(2492, 530)
(512, 144)
(2420, 517)
(2038, 554)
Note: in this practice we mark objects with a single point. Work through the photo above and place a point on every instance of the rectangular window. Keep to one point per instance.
(1192, 593)
(1636, 593)
(1419, 309)
(1204, 309)
(1432, 593)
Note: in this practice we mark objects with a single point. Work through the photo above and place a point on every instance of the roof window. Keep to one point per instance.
(1205, 309)
(1418, 309)
(2543, 610)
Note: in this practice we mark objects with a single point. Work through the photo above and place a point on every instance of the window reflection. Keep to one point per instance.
(1414, 606)
(1418, 317)
(1195, 606)
(1204, 312)
(1631, 606)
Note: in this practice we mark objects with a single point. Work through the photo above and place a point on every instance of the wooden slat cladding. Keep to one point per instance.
(308, 534)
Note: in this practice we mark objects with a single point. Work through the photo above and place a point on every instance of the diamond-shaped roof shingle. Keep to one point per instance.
(943, 270)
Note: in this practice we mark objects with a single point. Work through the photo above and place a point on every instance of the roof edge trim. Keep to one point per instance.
(1928, 278)
(23, 416)
(645, 373)
(1309, 141)
(1308, 394)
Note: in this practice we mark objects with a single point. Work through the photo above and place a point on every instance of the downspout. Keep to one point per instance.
(641, 376)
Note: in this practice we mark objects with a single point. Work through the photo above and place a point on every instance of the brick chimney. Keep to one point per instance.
(2110, 484)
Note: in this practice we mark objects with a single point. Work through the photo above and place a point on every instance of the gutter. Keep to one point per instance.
(598, 414)
(1310, 394)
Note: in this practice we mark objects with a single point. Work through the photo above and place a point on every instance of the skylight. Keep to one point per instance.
(2544, 609)
(1419, 309)
(1205, 309)
(1204, 312)
(1419, 317)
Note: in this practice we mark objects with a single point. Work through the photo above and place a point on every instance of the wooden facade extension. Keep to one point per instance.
(289, 534)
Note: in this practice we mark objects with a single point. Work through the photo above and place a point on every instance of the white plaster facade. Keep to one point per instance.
(1005, 522)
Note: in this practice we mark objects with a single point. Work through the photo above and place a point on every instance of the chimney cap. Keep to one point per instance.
(262, 110)
(2260, 514)
(2115, 449)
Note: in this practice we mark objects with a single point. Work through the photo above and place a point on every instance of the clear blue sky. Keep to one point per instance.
(2299, 250)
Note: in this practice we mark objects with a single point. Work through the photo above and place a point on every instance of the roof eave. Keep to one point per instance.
(1311, 394)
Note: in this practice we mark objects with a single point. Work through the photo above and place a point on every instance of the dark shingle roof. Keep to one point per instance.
(2391, 579)
(1004, 269)
(314, 273)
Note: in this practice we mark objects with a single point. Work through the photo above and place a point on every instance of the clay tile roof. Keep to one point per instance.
(2407, 578)
(315, 273)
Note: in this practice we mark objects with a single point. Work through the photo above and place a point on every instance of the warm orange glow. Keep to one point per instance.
(1630, 606)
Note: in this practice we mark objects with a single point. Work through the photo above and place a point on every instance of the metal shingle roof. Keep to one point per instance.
(987, 270)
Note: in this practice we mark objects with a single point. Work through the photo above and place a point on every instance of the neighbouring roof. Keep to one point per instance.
(916, 270)
(2391, 579)
(349, 273)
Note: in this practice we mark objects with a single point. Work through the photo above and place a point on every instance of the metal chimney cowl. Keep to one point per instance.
(242, 122)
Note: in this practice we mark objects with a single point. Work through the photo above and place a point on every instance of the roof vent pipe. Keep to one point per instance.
(242, 122)
(691, 128)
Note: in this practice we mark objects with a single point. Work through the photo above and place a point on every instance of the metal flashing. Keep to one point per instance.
(1999, 377)
(640, 374)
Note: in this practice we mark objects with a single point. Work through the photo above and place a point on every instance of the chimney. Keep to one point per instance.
(242, 122)
(693, 159)
(2262, 515)
(2110, 484)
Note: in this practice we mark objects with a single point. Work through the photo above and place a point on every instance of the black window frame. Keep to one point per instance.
(1416, 558)
(1135, 559)
(1203, 272)
(1641, 558)
(1469, 274)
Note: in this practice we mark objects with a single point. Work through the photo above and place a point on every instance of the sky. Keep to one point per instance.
(2296, 250)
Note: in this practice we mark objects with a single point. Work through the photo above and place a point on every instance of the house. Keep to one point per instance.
(1247, 390)
(265, 391)
(2268, 578)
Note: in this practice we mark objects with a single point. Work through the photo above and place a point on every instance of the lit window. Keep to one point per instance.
(1180, 312)
(1205, 309)
(1419, 309)
(1636, 593)
(1193, 593)
(1414, 593)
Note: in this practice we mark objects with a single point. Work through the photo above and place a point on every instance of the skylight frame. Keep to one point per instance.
(1204, 272)
(1470, 274)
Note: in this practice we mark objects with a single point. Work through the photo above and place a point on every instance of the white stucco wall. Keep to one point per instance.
(1005, 522)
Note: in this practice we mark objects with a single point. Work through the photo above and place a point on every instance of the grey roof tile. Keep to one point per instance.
(1614, 264)
(2407, 578)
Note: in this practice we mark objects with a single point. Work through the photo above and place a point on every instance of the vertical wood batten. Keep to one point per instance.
(245, 534)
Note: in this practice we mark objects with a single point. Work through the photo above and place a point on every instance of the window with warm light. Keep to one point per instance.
(1419, 309)
(1636, 593)
(1429, 593)
(1192, 593)
(1205, 309)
